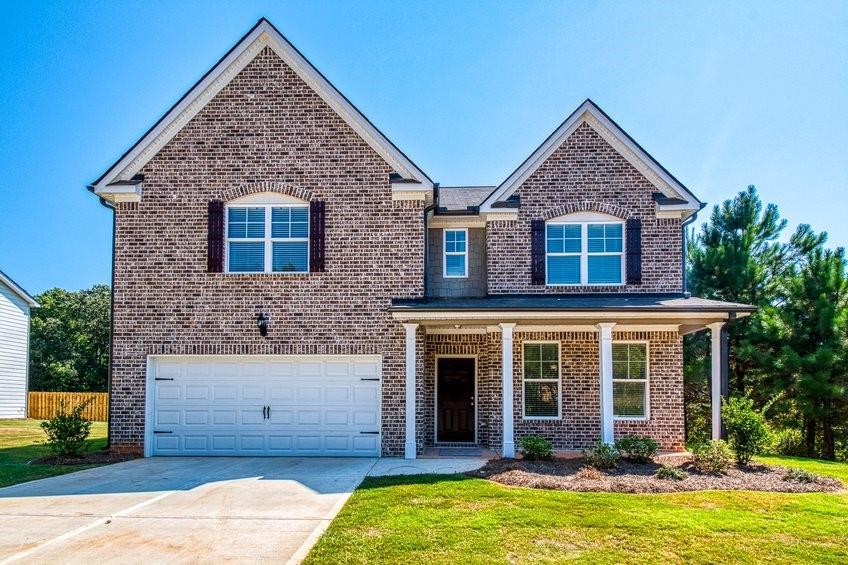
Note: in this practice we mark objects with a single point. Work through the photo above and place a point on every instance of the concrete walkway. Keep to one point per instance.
(186, 510)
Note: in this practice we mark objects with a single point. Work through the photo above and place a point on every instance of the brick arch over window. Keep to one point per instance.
(587, 206)
(266, 186)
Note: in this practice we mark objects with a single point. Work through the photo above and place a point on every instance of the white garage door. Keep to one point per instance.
(264, 405)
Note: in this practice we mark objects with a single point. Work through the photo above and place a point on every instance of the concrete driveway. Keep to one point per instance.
(178, 510)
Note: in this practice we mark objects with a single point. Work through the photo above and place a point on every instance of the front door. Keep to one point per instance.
(455, 399)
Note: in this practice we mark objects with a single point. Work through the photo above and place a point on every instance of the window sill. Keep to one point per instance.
(541, 418)
(580, 285)
(630, 418)
(275, 274)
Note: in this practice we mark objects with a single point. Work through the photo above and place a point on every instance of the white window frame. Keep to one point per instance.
(267, 240)
(646, 380)
(446, 253)
(524, 380)
(583, 220)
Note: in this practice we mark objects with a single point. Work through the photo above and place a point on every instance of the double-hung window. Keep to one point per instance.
(584, 253)
(542, 385)
(267, 239)
(630, 380)
(456, 253)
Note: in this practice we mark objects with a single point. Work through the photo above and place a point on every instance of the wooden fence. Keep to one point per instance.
(43, 405)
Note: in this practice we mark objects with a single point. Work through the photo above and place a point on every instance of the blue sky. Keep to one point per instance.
(722, 94)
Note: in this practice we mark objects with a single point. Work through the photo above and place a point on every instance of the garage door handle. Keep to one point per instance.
(161, 432)
(370, 433)
(364, 379)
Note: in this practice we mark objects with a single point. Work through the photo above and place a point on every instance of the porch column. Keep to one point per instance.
(718, 374)
(410, 447)
(508, 450)
(605, 354)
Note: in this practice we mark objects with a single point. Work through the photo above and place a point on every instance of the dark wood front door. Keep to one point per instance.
(455, 399)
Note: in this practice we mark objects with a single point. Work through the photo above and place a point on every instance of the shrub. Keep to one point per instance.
(788, 441)
(68, 430)
(798, 476)
(602, 456)
(713, 457)
(536, 448)
(639, 449)
(746, 428)
(671, 474)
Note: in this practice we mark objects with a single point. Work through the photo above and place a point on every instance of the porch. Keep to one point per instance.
(485, 372)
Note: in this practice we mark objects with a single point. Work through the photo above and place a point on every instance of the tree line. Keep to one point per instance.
(791, 357)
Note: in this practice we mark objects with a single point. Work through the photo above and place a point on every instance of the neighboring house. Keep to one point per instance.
(15, 306)
(288, 282)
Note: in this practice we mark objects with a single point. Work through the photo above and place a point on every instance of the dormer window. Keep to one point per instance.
(267, 233)
(584, 249)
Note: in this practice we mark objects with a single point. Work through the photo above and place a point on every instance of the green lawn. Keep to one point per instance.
(20, 442)
(454, 519)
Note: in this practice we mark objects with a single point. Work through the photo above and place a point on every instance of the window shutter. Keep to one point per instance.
(316, 236)
(537, 251)
(633, 238)
(215, 237)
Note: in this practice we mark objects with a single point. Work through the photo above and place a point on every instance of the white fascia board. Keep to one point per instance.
(21, 293)
(516, 315)
(262, 35)
(589, 113)
(460, 221)
(120, 193)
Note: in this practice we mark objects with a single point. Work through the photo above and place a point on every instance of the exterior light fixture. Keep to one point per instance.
(262, 323)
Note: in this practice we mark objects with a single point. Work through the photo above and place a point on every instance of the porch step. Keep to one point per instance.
(450, 445)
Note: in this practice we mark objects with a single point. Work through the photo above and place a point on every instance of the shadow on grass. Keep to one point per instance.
(409, 480)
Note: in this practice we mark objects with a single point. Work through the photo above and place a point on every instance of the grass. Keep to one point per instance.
(816, 466)
(21, 442)
(451, 519)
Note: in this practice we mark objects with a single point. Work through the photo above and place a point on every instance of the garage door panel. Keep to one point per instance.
(213, 406)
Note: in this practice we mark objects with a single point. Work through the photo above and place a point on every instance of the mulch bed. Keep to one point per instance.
(574, 475)
(95, 458)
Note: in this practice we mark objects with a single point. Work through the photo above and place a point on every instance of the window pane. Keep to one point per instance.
(628, 399)
(541, 399)
(246, 222)
(290, 257)
(555, 246)
(532, 369)
(619, 369)
(455, 265)
(596, 245)
(549, 351)
(237, 214)
(550, 370)
(532, 351)
(637, 352)
(300, 222)
(605, 269)
(280, 222)
(256, 222)
(619, 352)
(613, 231)
(564, 270)
(247, 257)
(554, 231)
(573, 238)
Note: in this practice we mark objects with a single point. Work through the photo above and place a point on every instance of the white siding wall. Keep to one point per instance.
(14, 353)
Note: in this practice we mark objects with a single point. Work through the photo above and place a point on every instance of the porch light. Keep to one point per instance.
(262, 323)
(457, 326)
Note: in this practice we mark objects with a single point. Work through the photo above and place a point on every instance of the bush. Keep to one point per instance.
(746, 428)
(536, 448)
(788, 441)
(798, 476)
(602, 456)
(67, 431)
(671, 474)
(639, 449)
(713, 457)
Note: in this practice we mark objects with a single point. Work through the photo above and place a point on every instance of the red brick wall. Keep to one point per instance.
(267, 130)
(585, 174)
(580, 424)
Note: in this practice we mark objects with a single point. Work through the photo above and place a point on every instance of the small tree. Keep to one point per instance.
(68, 430)
(746, 428)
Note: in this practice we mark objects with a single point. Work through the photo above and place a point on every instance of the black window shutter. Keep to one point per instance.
(633, 237)
(537, 251)
(215, 236)
(316, 236)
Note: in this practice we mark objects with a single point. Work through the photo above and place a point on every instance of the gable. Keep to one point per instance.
(13, 289)
(675, 199)
(121, 182)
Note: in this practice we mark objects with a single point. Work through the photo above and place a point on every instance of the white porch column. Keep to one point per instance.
(508, 450)
(605, 354)
(715, 377)
(410, 448)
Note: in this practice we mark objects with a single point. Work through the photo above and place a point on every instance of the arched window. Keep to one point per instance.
(267, 233)
(584, 248)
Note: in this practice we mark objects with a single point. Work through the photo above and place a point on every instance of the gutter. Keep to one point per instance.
(105, 203)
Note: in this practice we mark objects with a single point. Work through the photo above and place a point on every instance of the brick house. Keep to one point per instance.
(288, 282)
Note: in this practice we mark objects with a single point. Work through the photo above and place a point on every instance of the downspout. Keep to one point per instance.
(111, 207)
(427, 210)
(683, 226)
